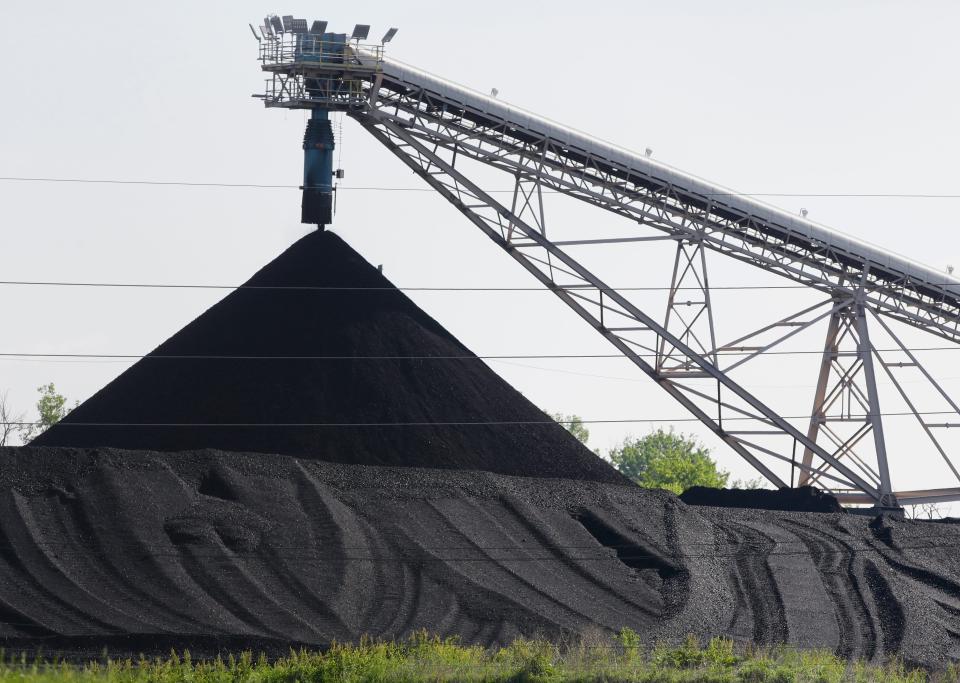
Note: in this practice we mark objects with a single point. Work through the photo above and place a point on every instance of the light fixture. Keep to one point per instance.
(319, 27)
(803, 213)
(390, 34)
(360, 32)
(254, 32)
(648, 152)
(494, 92)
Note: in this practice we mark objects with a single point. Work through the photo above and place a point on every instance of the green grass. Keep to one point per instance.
(424, 658)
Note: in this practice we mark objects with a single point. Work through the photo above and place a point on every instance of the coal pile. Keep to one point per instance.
(800, 499)
(275, 392)
(264, 525)
(142, 551)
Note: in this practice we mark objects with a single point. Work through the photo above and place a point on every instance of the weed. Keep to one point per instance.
(595, 658)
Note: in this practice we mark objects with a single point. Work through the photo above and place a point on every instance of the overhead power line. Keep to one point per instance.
(635, 549)
(538, 554)
(271, 186)
(454, 423)
(520, 356)
(313, 288)
(336, 288)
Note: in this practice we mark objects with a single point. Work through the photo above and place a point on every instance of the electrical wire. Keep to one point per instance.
(456, 423)
(335, 288)
(313, 288)
(530, 356)
(127, 360)
(374, 188)
(629, 551)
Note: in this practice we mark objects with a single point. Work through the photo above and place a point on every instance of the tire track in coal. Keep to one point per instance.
(476, 601)
(298, 575)
(702, 596)
(392, 594)
(953, 633)
(933, 586)
(108, 558)
(72, 589)
(480, 585)
(835, 560)
(676, 586)
(262, 557)
(762, 593)
(549, 535)
(215, 570)
(43, 606)
(451, 614)
(526, 568)
(808, 608)
(405, 605)
(16, 624)
(925, 576)
(889, 610)
(741, 623)
(917, 574)
(394, 582)
(348, 587)
(218, 559)
(160, 583)
(474, 606)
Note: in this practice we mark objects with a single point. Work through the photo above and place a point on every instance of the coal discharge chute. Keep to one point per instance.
(318, 173)
(325, 72)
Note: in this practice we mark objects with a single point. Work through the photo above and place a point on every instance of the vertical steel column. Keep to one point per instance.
(855, 388)
(865, 352)
(818, 413)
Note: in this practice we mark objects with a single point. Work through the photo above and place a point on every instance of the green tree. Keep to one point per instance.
(574, 425)
(51, 408)
(667, 460)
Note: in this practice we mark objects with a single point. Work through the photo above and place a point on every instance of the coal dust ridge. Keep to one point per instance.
(273, 475)
(143, 551)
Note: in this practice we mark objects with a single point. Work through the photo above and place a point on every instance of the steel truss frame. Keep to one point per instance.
(854, 392)
(433, 137)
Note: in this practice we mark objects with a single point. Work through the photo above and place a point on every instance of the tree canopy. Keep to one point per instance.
(51, 408)
(574, 425)
(667, 460)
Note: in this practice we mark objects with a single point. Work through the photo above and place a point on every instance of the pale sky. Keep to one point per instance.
(765, 97)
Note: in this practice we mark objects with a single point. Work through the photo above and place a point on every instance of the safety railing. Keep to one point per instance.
(319, 51)
(299, 91)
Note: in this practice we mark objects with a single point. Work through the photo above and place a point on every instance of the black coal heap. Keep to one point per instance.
(800, 499)
(293, 394)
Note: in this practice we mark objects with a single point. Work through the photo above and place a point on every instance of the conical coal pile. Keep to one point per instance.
(303, 361)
